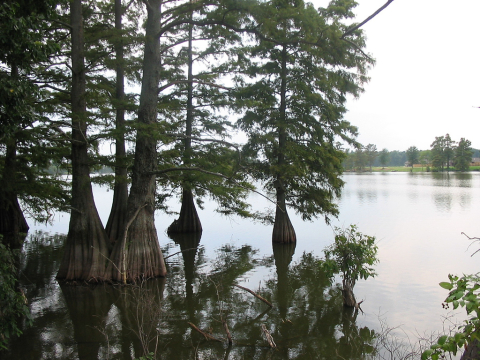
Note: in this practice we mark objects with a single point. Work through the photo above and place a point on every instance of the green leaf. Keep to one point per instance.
(442, 339)
(446, 285)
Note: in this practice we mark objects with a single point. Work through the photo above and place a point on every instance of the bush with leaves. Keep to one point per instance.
(13, 305)
(464, 292)
(353, 256)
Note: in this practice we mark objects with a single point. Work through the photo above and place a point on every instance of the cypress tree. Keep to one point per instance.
(294, 102)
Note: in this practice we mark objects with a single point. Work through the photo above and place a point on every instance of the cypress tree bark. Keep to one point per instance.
(188, 220)
(12, 220)
(86, 252)
(283, 231)
(116, 220)
(137, 254)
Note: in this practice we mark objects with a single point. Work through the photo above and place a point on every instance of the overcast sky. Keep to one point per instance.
(426, 80)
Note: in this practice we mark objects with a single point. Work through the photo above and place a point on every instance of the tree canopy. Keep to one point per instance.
(279, 72)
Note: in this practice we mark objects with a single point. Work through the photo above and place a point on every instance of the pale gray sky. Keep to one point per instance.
(426, 80)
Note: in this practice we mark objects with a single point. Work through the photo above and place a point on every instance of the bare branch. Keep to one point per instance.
(352, 29)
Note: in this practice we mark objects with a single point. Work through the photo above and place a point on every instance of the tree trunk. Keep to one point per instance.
(348, 296)
(137, 254)
(283, 231)
(117, 218)
(13, 225)
(188, 221)
(86, 252)
(472, 352)
(12, 220)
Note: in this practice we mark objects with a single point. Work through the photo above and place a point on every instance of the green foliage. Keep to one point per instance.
(13, 306)
(465, 293)
(463, 155)
(293, 97)
(384, 157)
(412, 155)
(352, 255)
(371, 154)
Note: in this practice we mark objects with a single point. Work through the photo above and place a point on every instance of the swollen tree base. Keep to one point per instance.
(188, 221)
(116, 220)
(13, 225)
(137, 255)
(283, 231)
(86, 255)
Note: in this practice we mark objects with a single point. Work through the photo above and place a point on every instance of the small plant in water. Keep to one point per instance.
(353, 256)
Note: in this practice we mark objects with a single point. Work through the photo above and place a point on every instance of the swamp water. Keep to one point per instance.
(417, 219)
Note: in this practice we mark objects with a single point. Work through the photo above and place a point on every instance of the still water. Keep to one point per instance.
(417, 219)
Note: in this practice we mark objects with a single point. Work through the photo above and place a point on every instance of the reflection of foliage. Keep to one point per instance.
(307, 320)
(13, 305)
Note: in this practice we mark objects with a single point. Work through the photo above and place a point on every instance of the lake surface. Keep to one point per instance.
(417, 219)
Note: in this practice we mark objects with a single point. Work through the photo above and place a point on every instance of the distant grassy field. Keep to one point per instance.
(397, 169)
(408, 169)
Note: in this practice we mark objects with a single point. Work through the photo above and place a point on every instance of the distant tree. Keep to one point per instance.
(360, 159)
(349, 162)
(412, 155)
(463, 155)
(449, 150)
(437, 153)
(371, 154)
(384, 157)
(397, 158)
(424, 157)
(443, 151)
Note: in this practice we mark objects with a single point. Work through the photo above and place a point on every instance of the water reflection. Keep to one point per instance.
(445, 190)
(452, 179)
(126, 322)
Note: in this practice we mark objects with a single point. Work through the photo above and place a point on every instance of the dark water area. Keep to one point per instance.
(417, 219)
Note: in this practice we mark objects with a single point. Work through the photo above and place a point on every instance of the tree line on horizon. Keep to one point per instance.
(278, 71)
(444, 154)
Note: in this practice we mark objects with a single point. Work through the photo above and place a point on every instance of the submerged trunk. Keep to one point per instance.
(283, 231)
(116, 220)
(137, 254)
(13, 225)
(188, 221)
(86, 252)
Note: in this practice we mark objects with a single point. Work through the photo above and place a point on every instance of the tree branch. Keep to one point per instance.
(352, 29)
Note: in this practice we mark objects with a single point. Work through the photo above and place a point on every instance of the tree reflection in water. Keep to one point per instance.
(307, 320)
